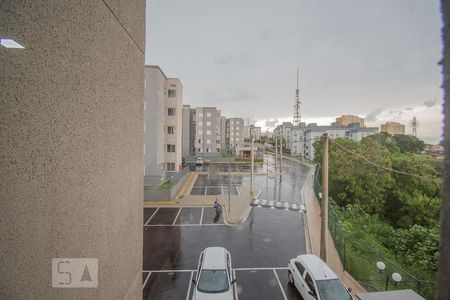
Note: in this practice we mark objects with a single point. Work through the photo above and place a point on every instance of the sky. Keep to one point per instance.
(376, 59)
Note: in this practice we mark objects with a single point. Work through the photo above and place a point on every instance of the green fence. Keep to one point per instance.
(360, 259)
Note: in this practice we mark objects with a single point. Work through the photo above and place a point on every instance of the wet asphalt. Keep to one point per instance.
(260, 248)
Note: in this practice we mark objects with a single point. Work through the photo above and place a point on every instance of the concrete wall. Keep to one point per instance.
(71, 128)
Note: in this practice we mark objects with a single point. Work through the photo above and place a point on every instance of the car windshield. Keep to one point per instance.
(332, 290)
(213, 281)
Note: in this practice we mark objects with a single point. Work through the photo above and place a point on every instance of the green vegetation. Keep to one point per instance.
(390, 214)
(165, 185)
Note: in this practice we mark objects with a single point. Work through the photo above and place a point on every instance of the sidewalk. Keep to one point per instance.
(239, 208)
(313, 223)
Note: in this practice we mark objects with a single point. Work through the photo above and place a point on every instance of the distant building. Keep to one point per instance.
(188, 135)
(313, 132)
(223, 133)
(392, 128)
(234, 133)
(163, 101)
(284, 131)
(252, 131)
(207, 124)
(346, 120)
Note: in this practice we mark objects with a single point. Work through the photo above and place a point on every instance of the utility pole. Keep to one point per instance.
(324, 206)
(251, 175)
(281, 157)
(229, 189)
(276, 153)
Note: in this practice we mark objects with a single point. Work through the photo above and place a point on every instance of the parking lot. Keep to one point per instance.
(260, 250)
(271, 283)
(219, 185)
(181, 216)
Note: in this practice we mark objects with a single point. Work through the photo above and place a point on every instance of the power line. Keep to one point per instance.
(380, 166)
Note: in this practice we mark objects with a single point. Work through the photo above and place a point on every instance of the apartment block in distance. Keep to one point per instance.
(392, 128)
(188, 132)
(206, 121)
(346, 120)
(163, 101)
(234, 133)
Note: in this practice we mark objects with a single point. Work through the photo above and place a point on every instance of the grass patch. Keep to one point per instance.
(165, 185)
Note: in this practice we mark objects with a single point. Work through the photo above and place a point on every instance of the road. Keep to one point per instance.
(260, 248)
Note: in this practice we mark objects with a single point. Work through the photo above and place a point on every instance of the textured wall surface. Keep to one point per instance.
(71, 157)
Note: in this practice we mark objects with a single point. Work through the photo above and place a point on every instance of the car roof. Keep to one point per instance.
(214, 258)
(318, 268)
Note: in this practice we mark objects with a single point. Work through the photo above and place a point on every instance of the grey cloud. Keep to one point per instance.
(230, 94)
(373, 116)
(409, 109)
(240, 59)
(272, 123)
(430, 103)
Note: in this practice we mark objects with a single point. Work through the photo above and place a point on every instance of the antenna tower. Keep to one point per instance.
(297, 118)
(414, 125)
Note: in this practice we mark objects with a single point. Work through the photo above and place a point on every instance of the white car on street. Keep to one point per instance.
(314, 279)
(214, 280)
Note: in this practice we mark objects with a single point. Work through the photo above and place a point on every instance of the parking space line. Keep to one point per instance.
(146, 279)
(151, 216)
(258, 269)
(279, 283)
(168, 271)
(190, 284)
(206, 190)
(184, 225)
(201, 216)
(235, 286)
(222, 189)
(177, 216)
(239, 193)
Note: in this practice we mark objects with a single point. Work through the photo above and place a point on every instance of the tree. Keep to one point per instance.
(409, 143)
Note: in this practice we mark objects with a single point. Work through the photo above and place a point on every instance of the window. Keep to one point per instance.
(170, 148)
(237, 122)
(170, 130)
(237, 133)
(200, 123)
(310, 283)
(208, 141)
(208, 114)
(200, 132)
(300, 267)
(170, 166)
(200, 115)
(208, 132)
(171, 111)
(199, 141)
(213, 281)
(172, 93)
(208, 123)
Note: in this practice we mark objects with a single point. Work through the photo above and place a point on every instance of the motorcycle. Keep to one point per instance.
(217, 208)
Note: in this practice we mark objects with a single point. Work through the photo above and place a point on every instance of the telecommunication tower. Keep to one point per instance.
(297, 118)
(414, 126)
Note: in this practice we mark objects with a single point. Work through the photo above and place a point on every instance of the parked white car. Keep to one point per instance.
(199, 161)
(214, 280)
(314, 279)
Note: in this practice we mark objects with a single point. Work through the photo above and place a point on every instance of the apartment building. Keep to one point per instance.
(252, 131)
(313, 132)
(207, 124)
(163, 102)
(297, 139)
(346, 120)
(188, 132)
(234, 133)
(223, 133)
(284, 130)
(392, 128)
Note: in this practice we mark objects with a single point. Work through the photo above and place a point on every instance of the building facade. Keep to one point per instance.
(207, 123)
(392, 128)
(163, 102)
(71, 111)
(346, 120)
(234, 133)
